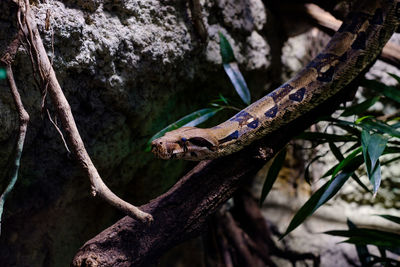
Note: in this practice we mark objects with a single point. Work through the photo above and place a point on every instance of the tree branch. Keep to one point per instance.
(48, 78)
(182, 212)
(23, 121)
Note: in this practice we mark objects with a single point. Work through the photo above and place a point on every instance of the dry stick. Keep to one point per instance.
(23, 124)
(328, 23)
(73, 137)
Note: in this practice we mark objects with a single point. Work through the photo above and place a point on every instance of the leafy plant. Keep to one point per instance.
(199, 116)
(363, 237)
(365, 139)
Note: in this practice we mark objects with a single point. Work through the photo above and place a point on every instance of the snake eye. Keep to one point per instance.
(183, 139)
(199, 141)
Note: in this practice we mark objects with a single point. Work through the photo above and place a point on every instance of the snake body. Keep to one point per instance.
(352, 48)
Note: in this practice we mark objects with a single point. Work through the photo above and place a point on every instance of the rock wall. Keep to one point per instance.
(128, 69)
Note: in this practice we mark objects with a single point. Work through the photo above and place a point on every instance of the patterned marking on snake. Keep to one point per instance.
(271, 113)
(282, 92)
(253, 124)
(232, 136)
(359, 42)
(351, 49)
(298, 95)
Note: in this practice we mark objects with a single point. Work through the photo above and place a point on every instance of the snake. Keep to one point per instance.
(353, 47)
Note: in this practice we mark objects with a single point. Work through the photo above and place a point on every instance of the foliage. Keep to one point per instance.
(199, 116)
(366, 137)
(383, 240)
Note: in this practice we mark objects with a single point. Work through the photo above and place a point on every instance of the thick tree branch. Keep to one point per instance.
(182, 212)
(48, 78)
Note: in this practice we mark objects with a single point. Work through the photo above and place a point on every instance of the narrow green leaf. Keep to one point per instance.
(237, 79)
(388, 91)
(362, 250)
(350, 129)
(336, 151)
(3, 73)
(346, 161)
(325, 137)
(358, 121)
(225, 50)
(381, 127)
(373, 146)
(364, 236)
(359, 108)
(320, 197)
(273, 172)
(192, 119)
(392, 218)
(223, 99)
(395, 125)
(339, 156)
(351, 166)
(376, 146)
(307, 169)
(397, 78)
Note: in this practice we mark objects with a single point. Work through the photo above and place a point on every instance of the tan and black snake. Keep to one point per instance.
(352, 48)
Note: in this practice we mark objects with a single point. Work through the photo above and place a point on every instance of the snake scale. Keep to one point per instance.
(352, 48)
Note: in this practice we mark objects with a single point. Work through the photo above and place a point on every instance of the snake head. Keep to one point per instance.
(185, 143)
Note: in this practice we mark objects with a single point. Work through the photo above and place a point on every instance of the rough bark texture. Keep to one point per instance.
(181, 213)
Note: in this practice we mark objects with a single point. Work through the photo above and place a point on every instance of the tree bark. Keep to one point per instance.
(182, 212)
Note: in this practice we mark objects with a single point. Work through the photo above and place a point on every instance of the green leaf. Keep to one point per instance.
(359, 108)
(320, 197)
(373, 146)
(397, 78)
(381, 127)
(336, 151)
(362, 250)
(225, 50)
(388, 91)
(273, 172)
(3, 73)
(237, 79)
(307, 170)
(392, 218)
(339, 156)
(193, 119)
(358, 121)
(351, 166)
(325, 137)
(346, 161)
(223, 99)
(364, 236)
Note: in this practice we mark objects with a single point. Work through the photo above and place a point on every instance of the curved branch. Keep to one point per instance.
(182, 212)
(63, 109)
(23, 122)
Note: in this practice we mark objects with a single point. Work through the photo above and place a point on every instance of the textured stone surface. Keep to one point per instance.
(128, 69)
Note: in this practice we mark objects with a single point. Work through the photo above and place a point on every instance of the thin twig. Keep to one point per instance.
(23, 124)
(63, 109)
(58, 130)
